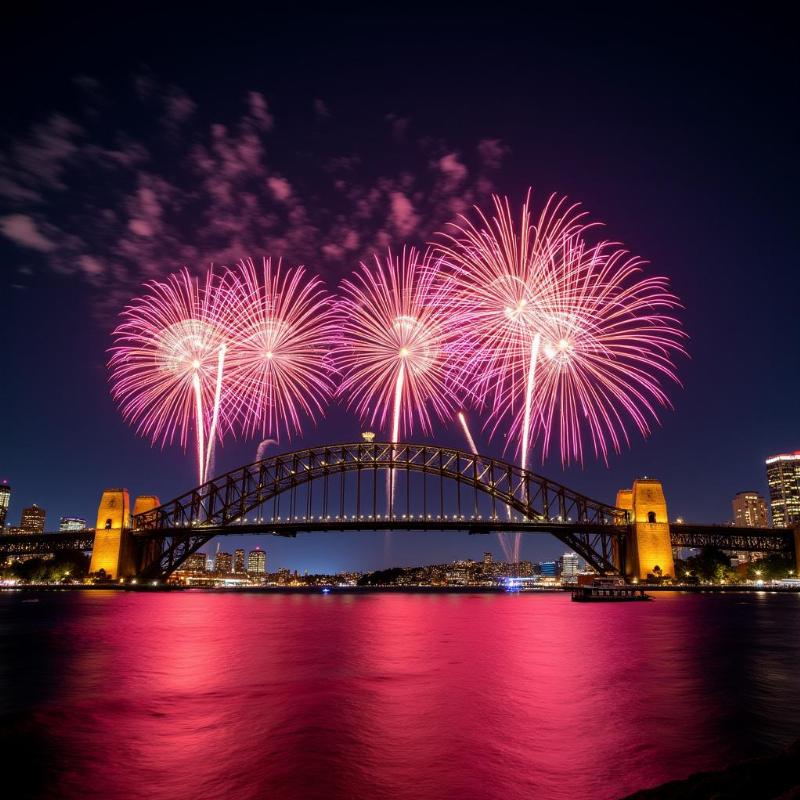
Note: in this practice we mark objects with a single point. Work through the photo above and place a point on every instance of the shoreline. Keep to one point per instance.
(144, 587)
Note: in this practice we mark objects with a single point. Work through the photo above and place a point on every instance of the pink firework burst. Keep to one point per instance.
(558, 335)
(609, 345)
(505, 276)
(395, 333)
(282, 325)
(167, 362)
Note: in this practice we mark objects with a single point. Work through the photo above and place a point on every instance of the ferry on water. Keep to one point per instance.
(608, 590)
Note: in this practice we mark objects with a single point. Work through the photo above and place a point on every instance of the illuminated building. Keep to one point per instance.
(222, 563)
(72, 524)
(238, 560)
(487, 561)
(257, 562)
(32, 519)
(5, 499)
(195, 563)
(749, 510)
(570, 566)
(783, 477)
(524, 569)
(548, 569)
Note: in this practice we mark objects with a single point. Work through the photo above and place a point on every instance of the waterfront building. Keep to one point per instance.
(32, 519)
(749, 510)
(487, 561)
(238, 559)
(5, 500)
(72, 524)
(548, 569)
(223, 563)
(783, 477)
(570, 565)
(257, 562)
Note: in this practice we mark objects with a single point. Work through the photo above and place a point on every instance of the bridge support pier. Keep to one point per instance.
(649, 548)
(113, 545)
(150, 550)
(114, 549)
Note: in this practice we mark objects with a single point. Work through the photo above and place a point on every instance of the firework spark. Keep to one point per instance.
(279, 368)
(394, 338)
(167, 362)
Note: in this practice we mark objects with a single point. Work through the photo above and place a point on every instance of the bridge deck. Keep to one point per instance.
(687, 535)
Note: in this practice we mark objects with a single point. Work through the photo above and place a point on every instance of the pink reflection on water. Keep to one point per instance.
(398, 696)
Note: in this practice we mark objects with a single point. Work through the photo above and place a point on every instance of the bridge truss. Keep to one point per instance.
(387, 487)
(379, 486)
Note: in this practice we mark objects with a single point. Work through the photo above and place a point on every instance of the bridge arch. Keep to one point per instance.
(371, 486)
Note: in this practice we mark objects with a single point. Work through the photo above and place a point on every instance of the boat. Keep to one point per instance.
(608, 590)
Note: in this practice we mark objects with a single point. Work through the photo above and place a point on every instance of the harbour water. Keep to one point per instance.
(109, 694)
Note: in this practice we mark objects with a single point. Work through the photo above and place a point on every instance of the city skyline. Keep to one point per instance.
(68, 443)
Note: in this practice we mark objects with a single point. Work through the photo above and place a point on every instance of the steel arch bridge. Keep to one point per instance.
(378, 486)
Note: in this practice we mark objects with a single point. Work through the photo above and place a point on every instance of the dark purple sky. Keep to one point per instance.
(133, 146)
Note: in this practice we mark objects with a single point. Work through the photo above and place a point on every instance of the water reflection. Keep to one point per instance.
(195, 694)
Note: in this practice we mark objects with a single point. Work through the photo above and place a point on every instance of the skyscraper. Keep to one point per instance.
(783, 477)
(749, 510)
(222, 563)
(257, 562)
(196, 562)
(238, 559)
(72, 524)
(32, 519)
(5, 499)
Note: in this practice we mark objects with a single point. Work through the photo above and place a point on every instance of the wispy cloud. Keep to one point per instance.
(117, 208)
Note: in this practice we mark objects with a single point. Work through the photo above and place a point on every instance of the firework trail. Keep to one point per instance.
(279, 367)
(262, 448)
(463, 420)
(507, 551)
(167, 363)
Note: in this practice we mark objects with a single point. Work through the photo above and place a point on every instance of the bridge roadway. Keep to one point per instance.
(688, 535)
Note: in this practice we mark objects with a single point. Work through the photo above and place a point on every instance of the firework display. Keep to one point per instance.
(168, 360)
(395, 335)
(556, 334)
(281, 327)
(556, 340)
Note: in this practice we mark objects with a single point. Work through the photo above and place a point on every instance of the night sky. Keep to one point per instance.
(134, 145)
